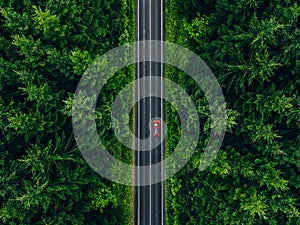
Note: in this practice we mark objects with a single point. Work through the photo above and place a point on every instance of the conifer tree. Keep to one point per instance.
(253, 49)
(45, 48)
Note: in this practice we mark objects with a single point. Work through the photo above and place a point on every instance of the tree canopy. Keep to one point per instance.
(253, 49)
(45, 48)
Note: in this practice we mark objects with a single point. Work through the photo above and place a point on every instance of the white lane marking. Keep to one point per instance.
(143, 53)
(150, 5)
(161, 110)
(138, 111)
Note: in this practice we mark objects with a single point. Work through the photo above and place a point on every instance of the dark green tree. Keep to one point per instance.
(253, 49)
(45, 48)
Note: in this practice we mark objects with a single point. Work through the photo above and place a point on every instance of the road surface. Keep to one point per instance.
(149, 200)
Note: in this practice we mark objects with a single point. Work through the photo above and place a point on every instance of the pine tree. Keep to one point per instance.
(253, 49)
(45, 48)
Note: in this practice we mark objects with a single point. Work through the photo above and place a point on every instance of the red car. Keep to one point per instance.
(156, 128)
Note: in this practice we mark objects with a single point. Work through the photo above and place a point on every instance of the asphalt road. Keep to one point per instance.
(149, 200)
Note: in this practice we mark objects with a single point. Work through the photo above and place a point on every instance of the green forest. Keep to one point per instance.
(45, 48)
(253, 49)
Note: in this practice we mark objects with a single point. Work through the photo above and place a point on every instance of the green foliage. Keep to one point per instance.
(49, 24)
(45, 48)
(103, 197)
(253, 49)
(196, 28)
